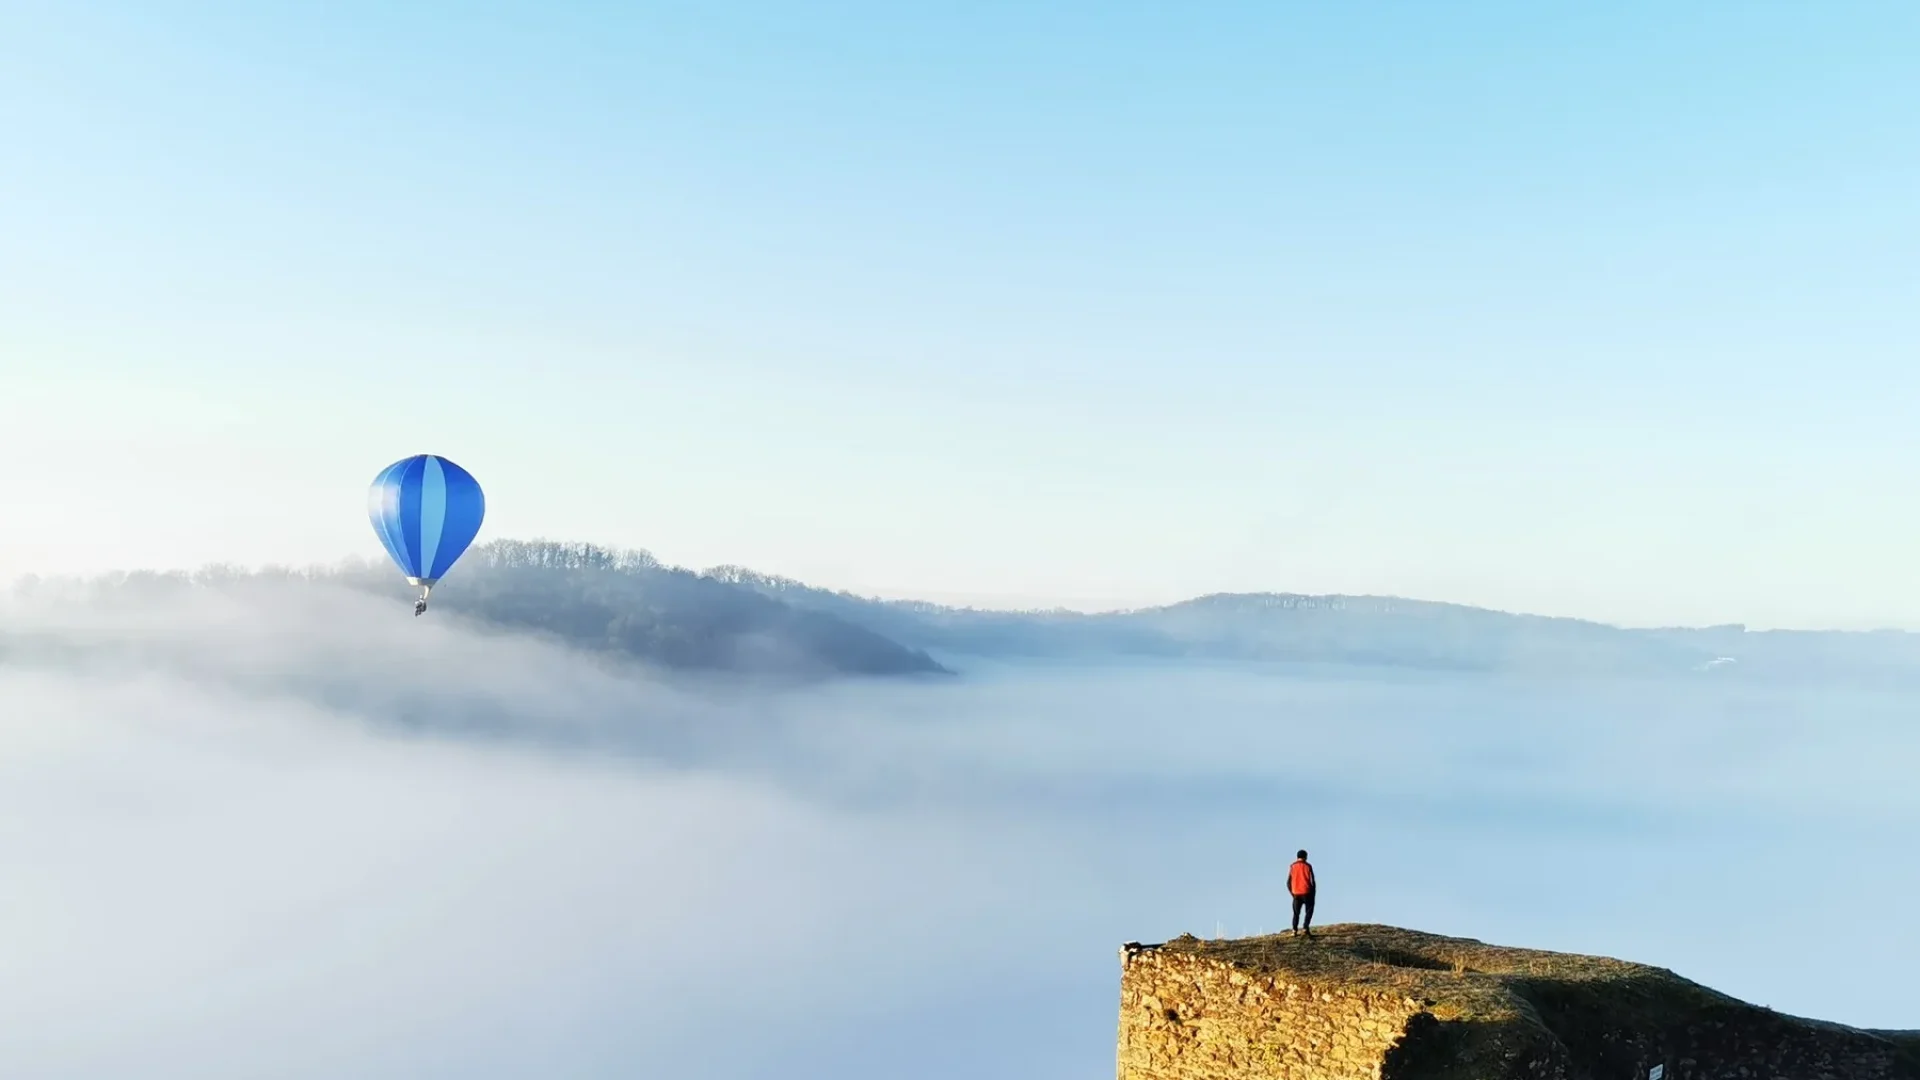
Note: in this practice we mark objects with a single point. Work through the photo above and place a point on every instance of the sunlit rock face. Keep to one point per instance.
(1362, 1002)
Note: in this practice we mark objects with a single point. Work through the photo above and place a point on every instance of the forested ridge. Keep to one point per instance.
(628, 604)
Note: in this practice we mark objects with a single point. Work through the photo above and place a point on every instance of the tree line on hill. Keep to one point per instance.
(628, 604)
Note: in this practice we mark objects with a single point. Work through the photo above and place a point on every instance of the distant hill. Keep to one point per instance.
(1373, 630)
(628, 603)
(621, 604)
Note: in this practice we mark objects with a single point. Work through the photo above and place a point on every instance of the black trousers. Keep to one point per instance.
(1300, 904)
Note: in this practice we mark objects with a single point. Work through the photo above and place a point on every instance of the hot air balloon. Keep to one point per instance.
(426, 511)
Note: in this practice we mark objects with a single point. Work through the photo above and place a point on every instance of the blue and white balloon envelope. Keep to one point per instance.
(426, 510)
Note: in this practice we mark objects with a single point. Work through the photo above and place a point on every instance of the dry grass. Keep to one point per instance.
(1463, 978)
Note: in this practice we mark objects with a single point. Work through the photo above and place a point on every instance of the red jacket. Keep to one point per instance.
(1300, 880)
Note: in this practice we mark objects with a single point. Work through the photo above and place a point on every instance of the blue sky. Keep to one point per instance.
(1608, 312)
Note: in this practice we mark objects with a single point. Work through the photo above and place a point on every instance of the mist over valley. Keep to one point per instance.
(271, 823)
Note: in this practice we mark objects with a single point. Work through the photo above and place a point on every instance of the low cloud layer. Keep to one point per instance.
(300, 833)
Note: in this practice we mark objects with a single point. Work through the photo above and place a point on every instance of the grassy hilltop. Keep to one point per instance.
(1484, 1011)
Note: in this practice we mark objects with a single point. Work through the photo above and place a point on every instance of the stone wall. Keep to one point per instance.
(1185, 1018)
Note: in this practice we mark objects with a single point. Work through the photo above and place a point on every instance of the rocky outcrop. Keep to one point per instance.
(1380, 1003)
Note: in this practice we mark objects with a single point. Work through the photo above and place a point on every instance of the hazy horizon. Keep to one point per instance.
(379, 563)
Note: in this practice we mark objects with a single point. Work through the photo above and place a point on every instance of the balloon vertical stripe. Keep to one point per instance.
(409, 520)
(433, 512)
(466, 509)
(383, 502)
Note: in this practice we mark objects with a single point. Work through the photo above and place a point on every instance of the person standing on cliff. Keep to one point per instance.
(1302, 884)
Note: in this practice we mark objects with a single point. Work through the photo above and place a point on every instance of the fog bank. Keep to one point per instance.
(307, 835)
